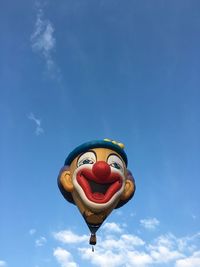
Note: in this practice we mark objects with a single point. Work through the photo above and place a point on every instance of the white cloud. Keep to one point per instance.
(165, 249)
(162, 254)
(40, 242)
(189, 242)
(38, 130)
(112, 227)
(136, 258)
(69, 237)
(167, 240)
(2, 263)
(192, 261)
(102, 258)
(130, 250)
(117, 248)
(132, 240)
(123, 242)
(64, 257)
(116, 251)
(150, 223)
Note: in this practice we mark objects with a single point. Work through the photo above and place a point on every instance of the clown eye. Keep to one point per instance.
(86, 161)
(86, 158)
(115, 162)
(115, 165)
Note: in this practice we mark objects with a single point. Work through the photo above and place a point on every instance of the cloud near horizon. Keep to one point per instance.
(120, 248)
(64, 257)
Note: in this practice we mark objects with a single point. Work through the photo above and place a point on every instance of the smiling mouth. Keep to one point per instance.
(96, 191)
(101, 188)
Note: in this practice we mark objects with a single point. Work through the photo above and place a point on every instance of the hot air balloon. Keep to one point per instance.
(95, 178)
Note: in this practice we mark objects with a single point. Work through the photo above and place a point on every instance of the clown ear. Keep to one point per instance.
(129, 190)
(64, 186)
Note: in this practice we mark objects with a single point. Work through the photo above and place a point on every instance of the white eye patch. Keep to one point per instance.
(87, 158)
(115, 162)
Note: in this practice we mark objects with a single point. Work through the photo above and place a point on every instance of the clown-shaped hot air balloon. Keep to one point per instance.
(95, 178)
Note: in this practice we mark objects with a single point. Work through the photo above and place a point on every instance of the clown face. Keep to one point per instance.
(98, 178)
(95, 178)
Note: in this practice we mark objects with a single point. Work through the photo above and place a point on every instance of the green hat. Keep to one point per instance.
(106, 143)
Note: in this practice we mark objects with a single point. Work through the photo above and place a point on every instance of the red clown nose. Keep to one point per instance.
(101, 170)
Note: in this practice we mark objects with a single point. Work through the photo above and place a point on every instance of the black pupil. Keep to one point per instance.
(116, 165)
(86, 161)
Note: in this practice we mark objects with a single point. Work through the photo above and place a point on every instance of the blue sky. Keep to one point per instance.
(74, 71)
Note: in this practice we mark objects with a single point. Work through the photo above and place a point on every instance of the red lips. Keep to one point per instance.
(99, 183)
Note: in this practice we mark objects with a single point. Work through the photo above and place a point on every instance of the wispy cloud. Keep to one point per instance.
(194, 217)
(40, 241)
(2, 263)
(120, 248)
(38, 130)
(119, 213)
(43, 42)
(150, 223)
(32, 231)
(64, 257)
